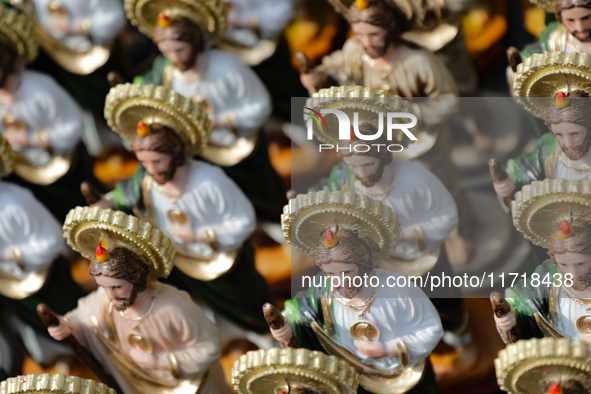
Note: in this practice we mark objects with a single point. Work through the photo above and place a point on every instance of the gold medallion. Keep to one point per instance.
(137, 340)
(584, 324)
(363, 331)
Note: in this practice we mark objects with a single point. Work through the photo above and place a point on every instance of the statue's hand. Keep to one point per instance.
(372, 349)
(312, 80)
(61, 331)
(17, 137)
(93, 197)
(143, 359)
(507, 322)
(282, 334)
(59, 23)
(505, 187)
(585, 338)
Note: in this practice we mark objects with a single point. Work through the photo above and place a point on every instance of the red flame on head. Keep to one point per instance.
(101, 253)
(555, 389)
(566, 229)
(330, 239)
(562, 101)
(164, 20)
(352, 135)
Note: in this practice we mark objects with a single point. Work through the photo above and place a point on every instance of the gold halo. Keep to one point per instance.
(368, 102)
(18, 32)
(410, 9)
(523, 366)
(127, 104)
(271, 370)
(59, 384)
(547, 5)
(210, 15)
(85, 227)
(307, 215)
(542, 205)
(540, 77)
(6, 157)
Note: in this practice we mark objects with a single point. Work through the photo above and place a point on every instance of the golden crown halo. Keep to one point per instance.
(542, 205)
(410, 9)
(59, 384)
(527, 365)
(6, 157)
(542, 76)
(85, 227)
(367, 102)
(210, 15)
(274, 370)
(547, 5)
(128, 104)
(18, 32)
(307, 215)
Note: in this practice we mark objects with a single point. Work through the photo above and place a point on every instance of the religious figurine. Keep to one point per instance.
(236, 100)
(387, 333)
(548, 365)
(149, 336)
(377, 57)
(41, 122)
(32, 269)
(427, 215)
(293, 371)
(194, 203)
(58, 384)
(77, 35)
(254, 28)
(570, 33)
(564, 152)
(552, 214)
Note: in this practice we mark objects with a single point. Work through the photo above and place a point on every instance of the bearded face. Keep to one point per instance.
(122, 303)
(182, 54)
(367, 169)
(375, 39)
(343, 276)
(577, 265)
(159, 165)
(578, 22)
(574, 139)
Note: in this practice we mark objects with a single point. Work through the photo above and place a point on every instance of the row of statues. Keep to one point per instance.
(171, 250)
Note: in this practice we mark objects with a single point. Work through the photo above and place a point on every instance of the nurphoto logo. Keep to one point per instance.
(347, 132)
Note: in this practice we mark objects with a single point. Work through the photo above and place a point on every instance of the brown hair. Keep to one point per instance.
(10, 63)
(123, 264)
(579, 242)
(351, 249)
(181, 29)
(380, 153)
(379, 13)
(562, 5)
(576, 112)
(569, 386)
(162, 139)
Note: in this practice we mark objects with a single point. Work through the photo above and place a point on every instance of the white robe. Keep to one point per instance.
(106, 18)
(270, 16)
(563, 172)
(401, 314)
(26, 225)
(211, 201)
(568, 313)
(176, 325)
(421, 201)
(233, 92)
(42, 105)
